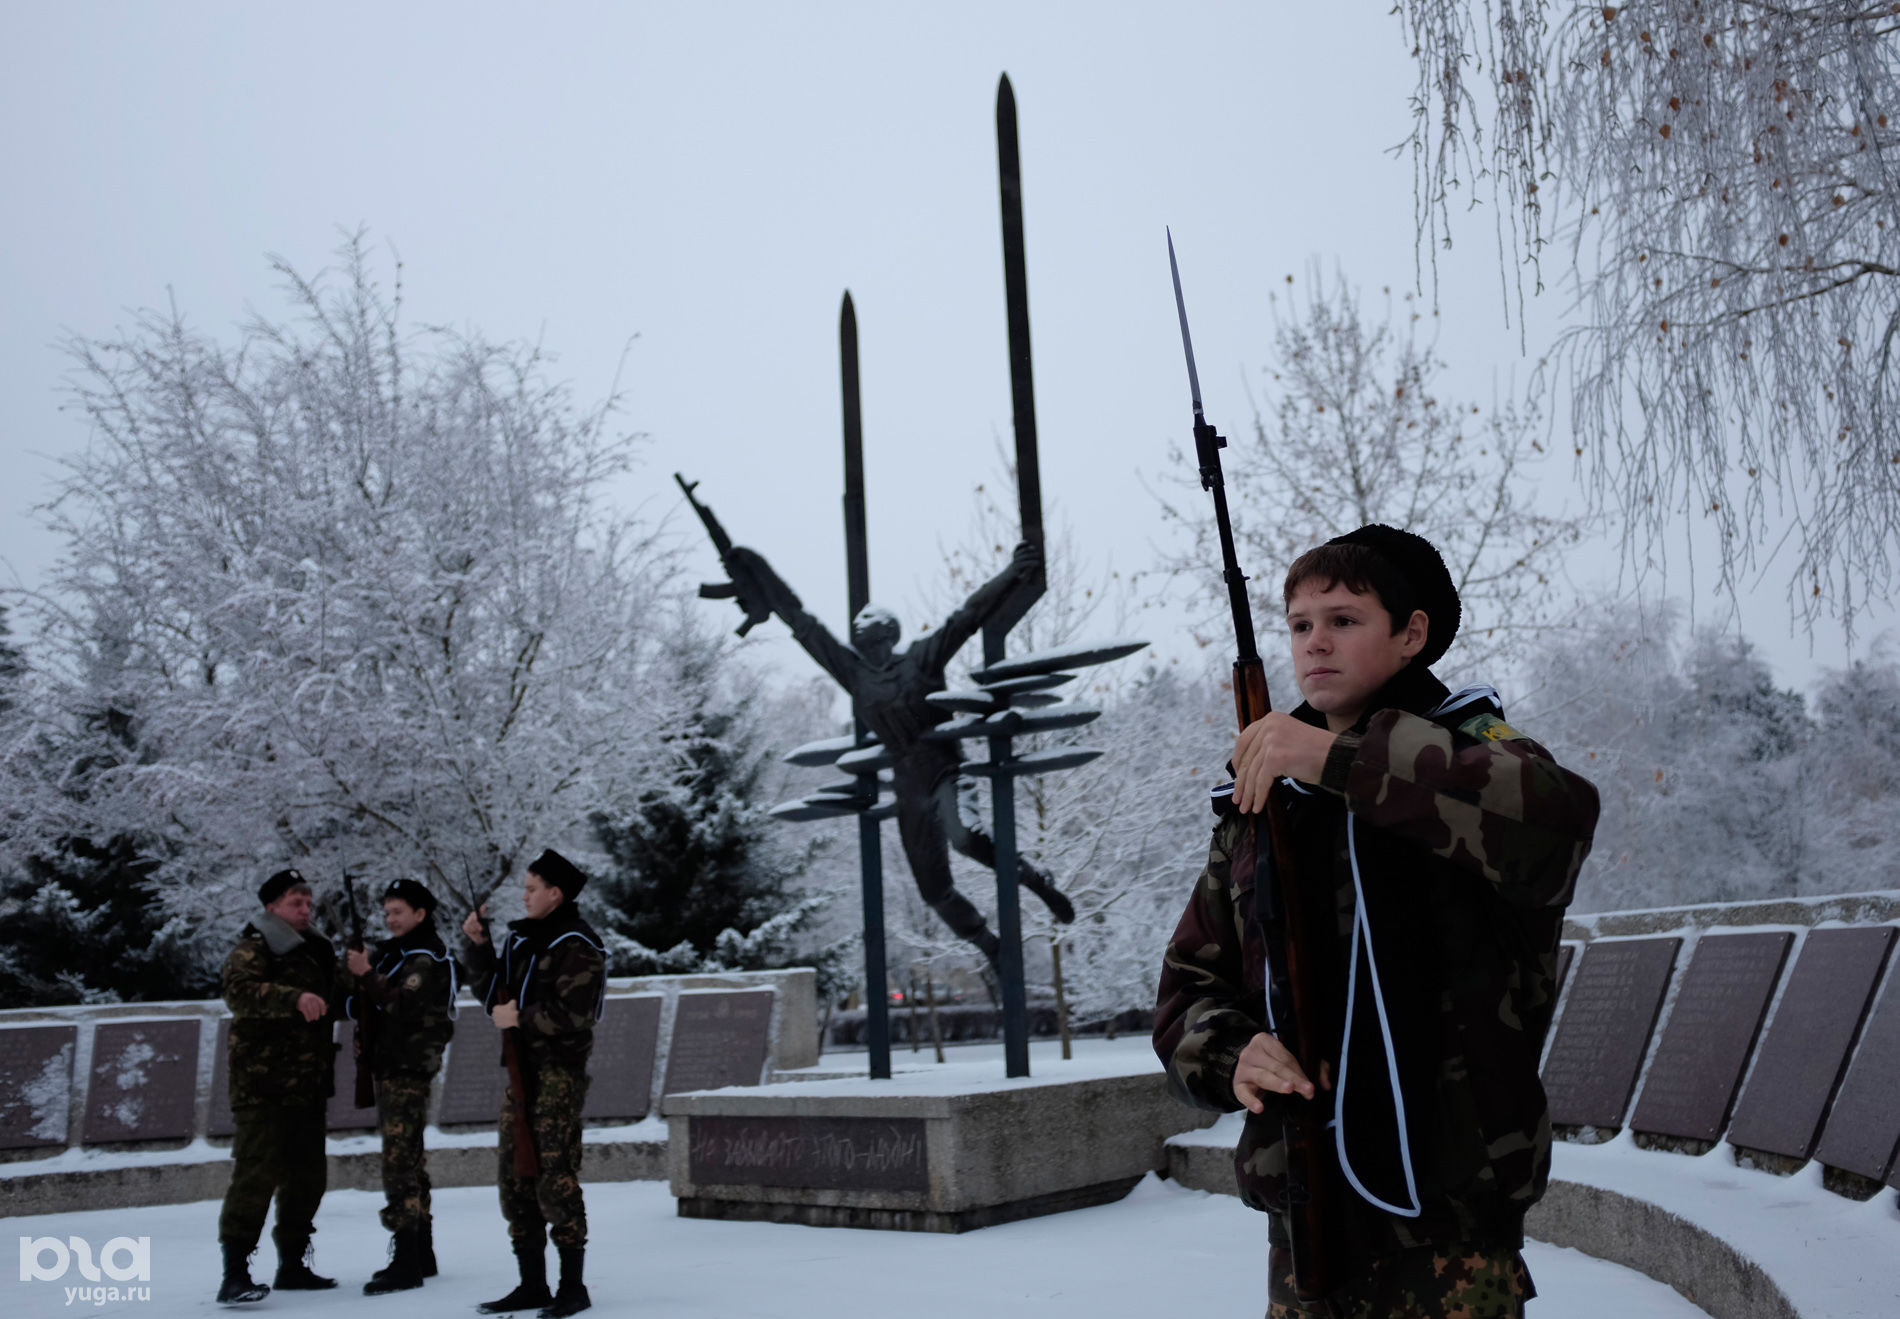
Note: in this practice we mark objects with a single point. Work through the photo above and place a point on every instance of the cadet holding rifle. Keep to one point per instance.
(284, 987)
(1367, 963)
(545, 986)
(405, 1008)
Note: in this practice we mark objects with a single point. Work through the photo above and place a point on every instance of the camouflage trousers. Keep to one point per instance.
(1428, 1282)
(551, 1200)
(275, 1151)
(402, 1110)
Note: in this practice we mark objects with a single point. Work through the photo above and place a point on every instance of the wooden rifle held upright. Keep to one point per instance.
(527, 1162)
(365, 1096)
(1310, 1211)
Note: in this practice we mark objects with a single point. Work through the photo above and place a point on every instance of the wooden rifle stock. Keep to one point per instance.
(527, 1162)
(365, 1096)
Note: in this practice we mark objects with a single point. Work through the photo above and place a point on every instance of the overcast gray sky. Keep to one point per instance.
(696, 185)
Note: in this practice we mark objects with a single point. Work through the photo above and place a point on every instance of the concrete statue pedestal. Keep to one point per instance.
(943, 1148)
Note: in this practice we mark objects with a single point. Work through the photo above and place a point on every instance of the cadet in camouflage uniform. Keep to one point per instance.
(406, 999)
(284, 988)
(1448, 844)
(546, 983)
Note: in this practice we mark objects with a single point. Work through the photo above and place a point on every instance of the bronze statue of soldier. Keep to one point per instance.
(887, 688)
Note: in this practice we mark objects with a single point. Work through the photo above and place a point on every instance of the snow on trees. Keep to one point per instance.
(1722, 176)
(340, 593)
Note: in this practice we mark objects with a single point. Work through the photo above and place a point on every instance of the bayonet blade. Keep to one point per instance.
(1187, 340)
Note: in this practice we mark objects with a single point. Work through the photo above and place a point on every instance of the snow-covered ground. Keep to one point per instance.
(1135, 1257)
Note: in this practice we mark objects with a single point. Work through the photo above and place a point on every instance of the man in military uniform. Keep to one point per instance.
(1444, 845)
(406, 1001)
(283, 985)
(545, 987)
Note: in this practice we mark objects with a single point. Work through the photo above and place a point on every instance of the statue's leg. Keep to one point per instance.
(920, 827)
(967, 836)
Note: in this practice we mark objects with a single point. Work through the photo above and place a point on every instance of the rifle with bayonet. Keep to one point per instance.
(527, 1162)
(756, 611)
(360, 1047)
(1311, 1209)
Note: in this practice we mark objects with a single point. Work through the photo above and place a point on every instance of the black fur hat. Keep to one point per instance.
(412, 892)
(558, 871)
(1420, 563)
(279, 884)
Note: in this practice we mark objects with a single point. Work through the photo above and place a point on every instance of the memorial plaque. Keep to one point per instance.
(1565, 951)
(621, 1067)
(220, 1122)
(720, 1037)
(473, 1079)
(1605, 1030)
(1806, 1047)
(36, 1085)
(342, 1113)
(144, 1081)
(1863, 1127)
(810, 1153)
(1691, 1084)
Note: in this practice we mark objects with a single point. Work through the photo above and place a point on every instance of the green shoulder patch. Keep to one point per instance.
(1488, 727)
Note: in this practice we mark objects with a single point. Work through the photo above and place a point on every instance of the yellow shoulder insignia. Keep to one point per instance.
(1489, 727)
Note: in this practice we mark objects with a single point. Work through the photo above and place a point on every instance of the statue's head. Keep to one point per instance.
(874, 633)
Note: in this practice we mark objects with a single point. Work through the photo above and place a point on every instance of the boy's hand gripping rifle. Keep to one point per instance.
(527, 1162)
(1310, 1213)
(365, 1082)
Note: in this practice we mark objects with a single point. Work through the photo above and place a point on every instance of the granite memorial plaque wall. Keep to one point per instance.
(1565, 953)
(473, 1079)
(1801, 1059)
(1863, 1127)
(1691, 1084)
(144, 1081)
(36, 1085)
(342, 1113)
(621, 1067)
(1605, 1028)
(220, 1121)
(720, 1038)
(811, 1153)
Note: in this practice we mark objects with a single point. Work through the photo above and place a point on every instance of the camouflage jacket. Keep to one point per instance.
(555, 970)
(1447, 845)
(276, 1056)
(408, 999)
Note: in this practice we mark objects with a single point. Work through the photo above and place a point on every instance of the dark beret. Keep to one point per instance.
(1419, 563)
(279, 884)
(412, 892)
(558, 871)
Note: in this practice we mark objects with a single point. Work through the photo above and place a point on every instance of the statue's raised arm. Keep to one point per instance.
(1025, 565)
(758, 581)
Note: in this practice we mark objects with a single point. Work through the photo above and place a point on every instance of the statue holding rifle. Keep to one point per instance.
(888, 688)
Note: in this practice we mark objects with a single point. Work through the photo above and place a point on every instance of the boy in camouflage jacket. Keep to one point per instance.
(1447, 844)
(285, 988)
(406, 997)
(547, 983)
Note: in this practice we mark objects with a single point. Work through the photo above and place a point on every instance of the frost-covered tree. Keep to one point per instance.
(352, 589)
(1723, 177)
(698, 877)
(1714, 785)
(1359, 428)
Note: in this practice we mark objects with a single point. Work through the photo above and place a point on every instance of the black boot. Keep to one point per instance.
(428, 1247)
(293, 1265)
(238, 1289)
(533, 1290)
(573, 1297)
(404, 1271)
